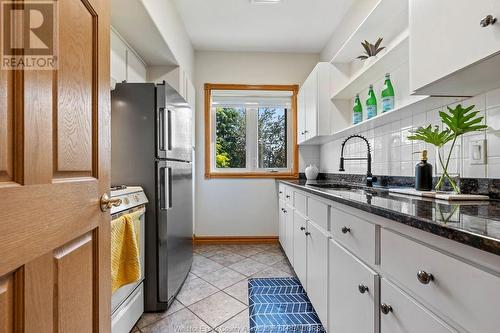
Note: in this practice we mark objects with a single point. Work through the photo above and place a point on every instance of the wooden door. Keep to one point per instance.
(54, 166)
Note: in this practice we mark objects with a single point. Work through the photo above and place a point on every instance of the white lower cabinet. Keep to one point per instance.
(300, 247)
(364, 277)
(317, 269)
(288, 226)
(401, 314)
(353, 293)
(282, 224)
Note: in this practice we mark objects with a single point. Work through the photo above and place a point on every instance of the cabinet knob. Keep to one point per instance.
(307, 233)
(302, 228)
(281, 192)
(362, 288)
(385, 308)
(284, 210)
(424, 277)
(306, 131)
(345, 230)
(287, 196)
(488, 20)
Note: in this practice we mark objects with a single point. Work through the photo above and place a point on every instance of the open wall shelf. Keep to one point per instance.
(395, 55)
(387, 19)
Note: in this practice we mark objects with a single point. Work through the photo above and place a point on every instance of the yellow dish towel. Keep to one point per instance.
(125, 252)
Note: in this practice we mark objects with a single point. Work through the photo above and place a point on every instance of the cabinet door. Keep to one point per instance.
(311, 103)
(289, 245)
(430, 31)
(118, 60)
(136, 70)
(300, 248)
(317, 269)
(301, 115)
(353, 293)
(282, 224)
(405, 314)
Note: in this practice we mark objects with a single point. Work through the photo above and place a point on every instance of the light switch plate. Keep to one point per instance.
(477, 152)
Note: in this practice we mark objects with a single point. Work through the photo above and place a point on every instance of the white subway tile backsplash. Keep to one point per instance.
(393, 151)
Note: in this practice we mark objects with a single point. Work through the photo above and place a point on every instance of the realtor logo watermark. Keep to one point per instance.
(29, 35)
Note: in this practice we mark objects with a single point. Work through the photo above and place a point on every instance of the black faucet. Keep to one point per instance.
(369, 177)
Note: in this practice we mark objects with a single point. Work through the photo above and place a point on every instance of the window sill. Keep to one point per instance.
(249, 175)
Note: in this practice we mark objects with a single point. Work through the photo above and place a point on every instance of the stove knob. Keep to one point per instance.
(126, 201)
(136, 197)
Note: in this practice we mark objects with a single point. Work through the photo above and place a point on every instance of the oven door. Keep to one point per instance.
(121, 294)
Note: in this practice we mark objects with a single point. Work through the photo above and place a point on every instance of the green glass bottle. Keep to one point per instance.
(371, 104)
(357, 115)
(387, 94)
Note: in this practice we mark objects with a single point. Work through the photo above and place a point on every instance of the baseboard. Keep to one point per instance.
(234, 239)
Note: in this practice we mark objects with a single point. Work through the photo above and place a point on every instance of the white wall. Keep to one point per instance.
(239, 207)
(167, 19)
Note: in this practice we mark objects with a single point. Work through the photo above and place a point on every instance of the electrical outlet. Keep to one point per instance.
(477, 152)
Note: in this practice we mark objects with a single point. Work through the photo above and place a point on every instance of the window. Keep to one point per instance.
(249, 131)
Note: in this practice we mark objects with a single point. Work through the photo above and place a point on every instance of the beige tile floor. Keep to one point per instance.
(214, 297)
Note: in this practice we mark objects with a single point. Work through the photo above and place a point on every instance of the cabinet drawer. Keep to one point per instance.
(465, 294)
(352, 309)
(357, 235)
(317, 212)
(407, 315)
(299, 202)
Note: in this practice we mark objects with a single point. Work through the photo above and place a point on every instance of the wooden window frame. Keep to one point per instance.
(293, 174)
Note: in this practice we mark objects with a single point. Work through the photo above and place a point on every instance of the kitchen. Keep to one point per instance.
(260, 165)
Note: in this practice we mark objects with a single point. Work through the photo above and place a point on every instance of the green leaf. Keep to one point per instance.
(461, 121)
(435, 137)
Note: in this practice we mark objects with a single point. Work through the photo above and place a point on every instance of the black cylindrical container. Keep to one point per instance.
(423, 174)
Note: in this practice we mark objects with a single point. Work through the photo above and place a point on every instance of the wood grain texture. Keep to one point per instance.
(53, 235)
(74, 275)
(293, 174)
(39, 294)
(37, 131)
(75, 87)
(7, 303)
(6, 125)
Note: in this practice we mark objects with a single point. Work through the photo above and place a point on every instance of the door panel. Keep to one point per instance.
(175, 226)
(6, 125)
(7, 303)
(299, 226)
(54, 167)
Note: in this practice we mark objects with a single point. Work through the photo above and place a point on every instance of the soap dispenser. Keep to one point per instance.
(423, 173)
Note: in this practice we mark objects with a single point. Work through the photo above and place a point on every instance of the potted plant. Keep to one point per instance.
(458, 121)
(371, 51)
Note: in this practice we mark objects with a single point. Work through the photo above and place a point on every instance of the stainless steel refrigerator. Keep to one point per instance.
(151, 142)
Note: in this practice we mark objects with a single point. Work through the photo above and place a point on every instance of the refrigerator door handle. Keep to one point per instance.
(161, 129)
(169, 130)
(165, 188)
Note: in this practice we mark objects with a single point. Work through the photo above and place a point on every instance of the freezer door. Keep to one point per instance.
(174, 132)
(174, 225)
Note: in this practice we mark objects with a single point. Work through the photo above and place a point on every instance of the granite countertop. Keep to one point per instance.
(476, 224)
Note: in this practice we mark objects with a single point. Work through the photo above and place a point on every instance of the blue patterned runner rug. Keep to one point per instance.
(280, 305)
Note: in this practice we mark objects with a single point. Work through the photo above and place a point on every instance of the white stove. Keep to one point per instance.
(127, 303)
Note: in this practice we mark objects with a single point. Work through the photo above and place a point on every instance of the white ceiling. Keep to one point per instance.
(238, 25)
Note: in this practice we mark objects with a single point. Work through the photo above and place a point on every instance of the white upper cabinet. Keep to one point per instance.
(177, 78)
(453, 47)
(118, 58)
(125, 64)
(317, 115)
(136, 70)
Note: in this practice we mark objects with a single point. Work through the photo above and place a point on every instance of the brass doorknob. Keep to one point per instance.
(107, 202)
